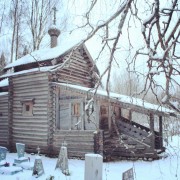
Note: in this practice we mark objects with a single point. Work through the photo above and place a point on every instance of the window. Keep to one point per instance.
(27, 107)
(76, 109)
(69, 114)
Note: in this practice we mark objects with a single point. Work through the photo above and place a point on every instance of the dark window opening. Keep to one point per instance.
(27, 108)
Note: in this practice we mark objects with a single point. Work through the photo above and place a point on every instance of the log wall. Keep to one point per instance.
(29, 129)
(77, 71)
(4, 119)
(78, 142)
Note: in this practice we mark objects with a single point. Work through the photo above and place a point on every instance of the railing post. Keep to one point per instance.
(160, 132)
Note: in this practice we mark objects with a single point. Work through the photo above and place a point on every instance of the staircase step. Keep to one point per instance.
(130, 142)
(140, 147)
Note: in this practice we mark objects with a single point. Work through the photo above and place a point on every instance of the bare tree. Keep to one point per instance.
(2, 62)
(25, 23)
(127, 83)
(39, 19)
(157, 25)
(2, 16)
(16, 14)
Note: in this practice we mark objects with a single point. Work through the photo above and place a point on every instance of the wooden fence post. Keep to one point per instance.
(93, 167)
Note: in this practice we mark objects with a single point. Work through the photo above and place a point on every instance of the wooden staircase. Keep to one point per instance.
(129, 140)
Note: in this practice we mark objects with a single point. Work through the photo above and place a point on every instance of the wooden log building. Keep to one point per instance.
(47, 98)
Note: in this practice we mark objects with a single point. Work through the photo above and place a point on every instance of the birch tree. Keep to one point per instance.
(16, 14)
(2, 62)
(2, 15)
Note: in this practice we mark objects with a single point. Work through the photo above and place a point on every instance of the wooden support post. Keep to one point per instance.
(160, 132)
(152, 135)
(109, 117)
(98, 142)
(93, 167)
(120, 112)
(130, 115)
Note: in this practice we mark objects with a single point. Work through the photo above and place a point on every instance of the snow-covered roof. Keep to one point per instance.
(131, 101)
(42, 69)
(3, 93)
(42, 55)
(4, 82)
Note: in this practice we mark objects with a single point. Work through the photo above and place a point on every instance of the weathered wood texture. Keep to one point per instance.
(31, 130)
(98, 142)
(131, 141)
(78, 142)
(4, 120)
(77, 71)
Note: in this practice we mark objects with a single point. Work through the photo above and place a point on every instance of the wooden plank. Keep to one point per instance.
(43, 85)
(32, 94)
(35, 109)
(41, 99)
(30, 142)
(37, 75)
(4, 120)
(152, 137)
(28, 129)
(36, 105)
(31, 119)
(31, 90)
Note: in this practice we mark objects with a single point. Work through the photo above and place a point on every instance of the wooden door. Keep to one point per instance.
(65, 115)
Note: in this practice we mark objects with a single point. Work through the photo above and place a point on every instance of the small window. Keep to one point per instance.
(76, 109)
(27, 107)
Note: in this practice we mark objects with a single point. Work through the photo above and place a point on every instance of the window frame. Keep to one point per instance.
(27, 103)
(75, 106)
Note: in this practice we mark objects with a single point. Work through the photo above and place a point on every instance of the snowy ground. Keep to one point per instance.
(164, 169)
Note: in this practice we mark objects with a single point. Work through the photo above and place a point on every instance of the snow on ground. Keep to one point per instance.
(163, 169)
